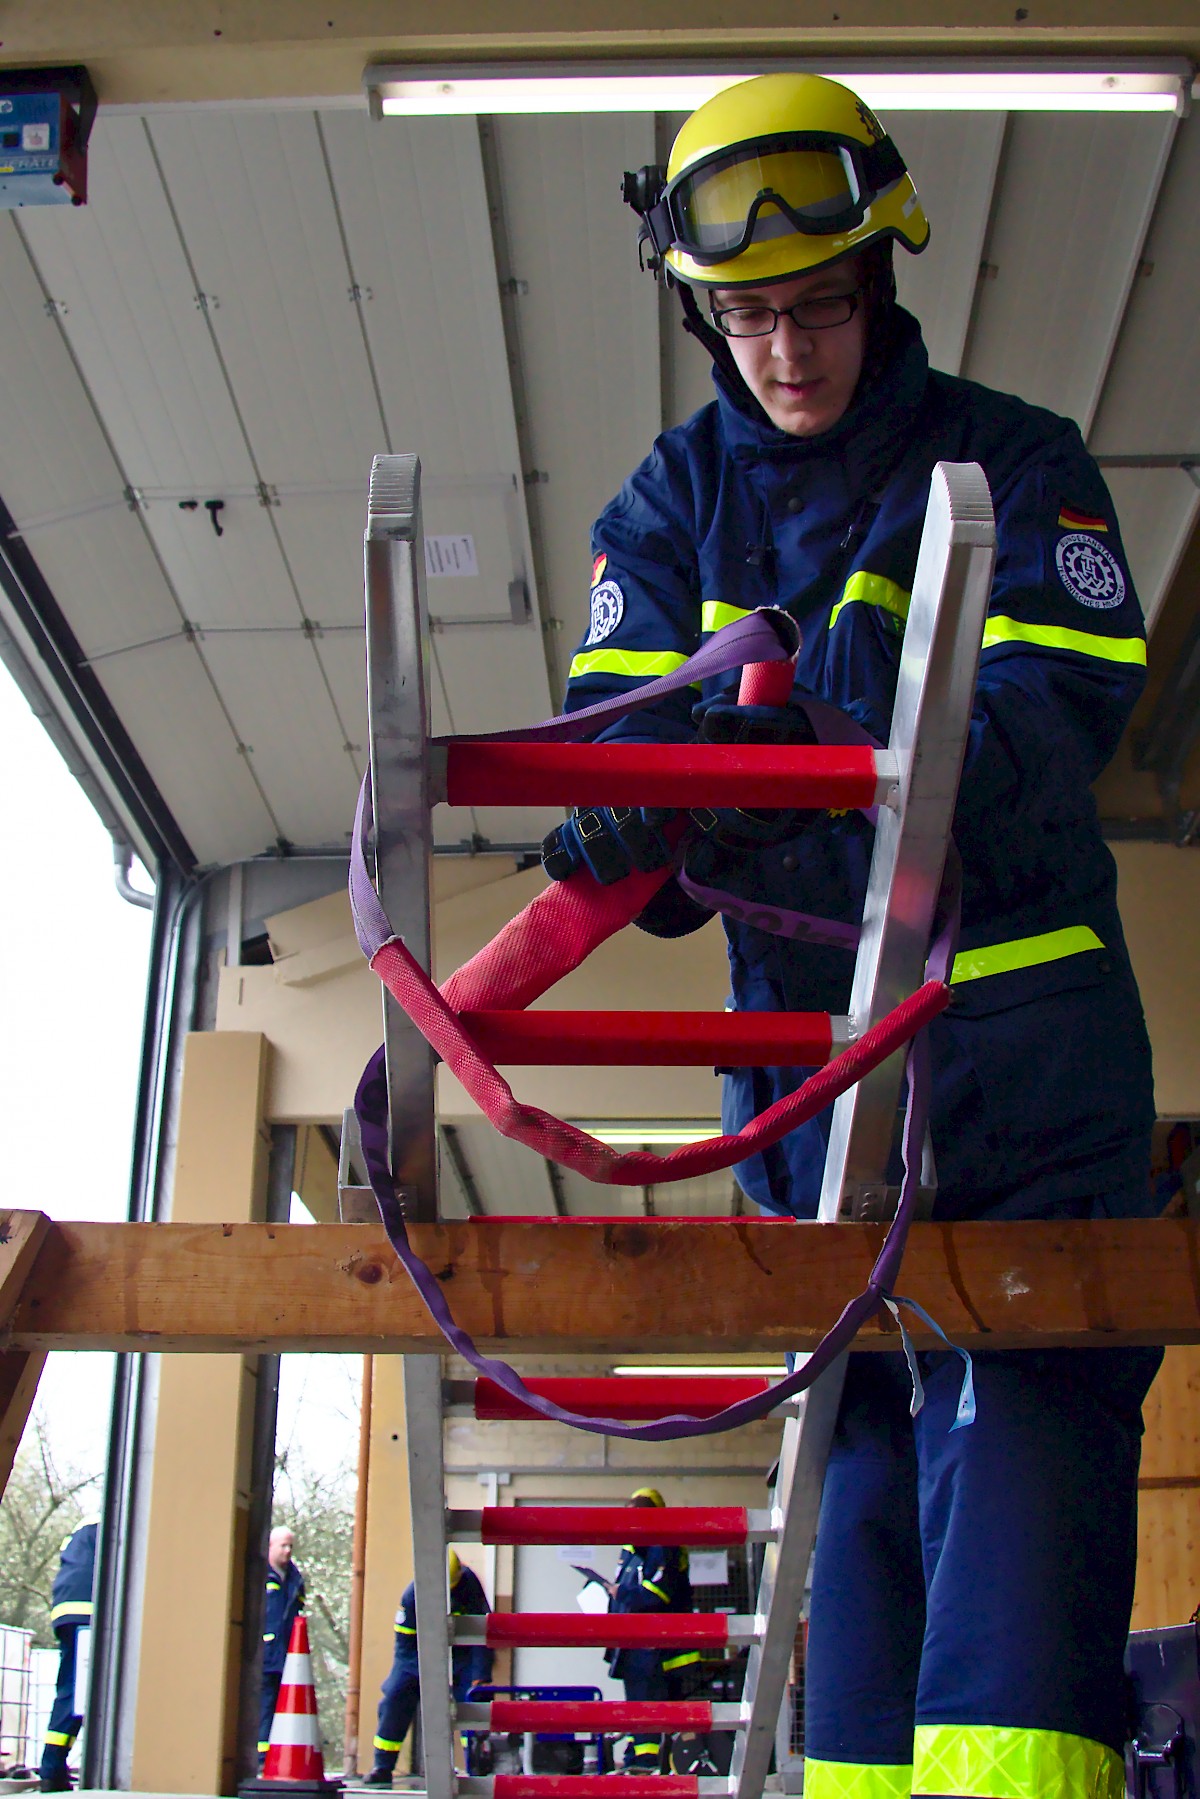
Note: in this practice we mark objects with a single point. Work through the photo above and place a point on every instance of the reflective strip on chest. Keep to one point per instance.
(1059, 637)
(639, 665)
(873, 590)
(1023, 952)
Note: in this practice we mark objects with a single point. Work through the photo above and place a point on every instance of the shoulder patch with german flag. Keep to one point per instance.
(598, 568)
(1070, 518)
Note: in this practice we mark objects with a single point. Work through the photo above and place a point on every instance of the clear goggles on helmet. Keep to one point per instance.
(812, 182)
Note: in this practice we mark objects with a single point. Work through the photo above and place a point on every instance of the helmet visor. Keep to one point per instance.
(809, 183)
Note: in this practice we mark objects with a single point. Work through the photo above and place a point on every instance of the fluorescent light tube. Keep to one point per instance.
(775, 1370)
(895, 86)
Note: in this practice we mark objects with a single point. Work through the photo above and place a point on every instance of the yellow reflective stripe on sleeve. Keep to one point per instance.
(1059, 637)
(263, 1747)
(58, 1739)
(268, 1636)
(1023, 952)
(72, 1608)
(638, 665)
(680, 1661)
(657, 1591)
(989, 1761)
(856, 1780)
(406, 1630)
(873, 590)
(715, 613)
(388, 1748)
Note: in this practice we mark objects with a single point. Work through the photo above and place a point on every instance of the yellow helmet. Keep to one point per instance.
(651, 1494)
(774, 177)
(453, 1567)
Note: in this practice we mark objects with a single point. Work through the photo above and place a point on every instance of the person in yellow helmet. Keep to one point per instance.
(653, 1579)
(472, 1666)
(971, 1587)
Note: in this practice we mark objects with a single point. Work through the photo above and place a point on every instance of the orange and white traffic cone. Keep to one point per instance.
(294, 1760)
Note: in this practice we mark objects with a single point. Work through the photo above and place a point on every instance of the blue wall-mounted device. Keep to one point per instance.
(45, 119)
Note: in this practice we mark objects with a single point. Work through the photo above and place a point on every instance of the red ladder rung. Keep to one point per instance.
(659, 774)
(653, 1039)
(595, 1786)
(601, 1714)
(639, 1397)
(711, 1526)
(634, 1630)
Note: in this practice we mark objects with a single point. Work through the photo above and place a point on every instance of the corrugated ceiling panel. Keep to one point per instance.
(170, 710)
(133, 321)
(103, 572)
(275, 690)
(486, 675)
(1151, 402)
(237, 578)
(510, 1179)
(322, 535)
(1157, 509)
(57, 461)
(952, 158)
(1076, 192)
(588, 327)
(252, 196)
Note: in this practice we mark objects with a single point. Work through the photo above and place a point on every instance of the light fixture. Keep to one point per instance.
(774, 1370)
(900, 84)
(653, 1132)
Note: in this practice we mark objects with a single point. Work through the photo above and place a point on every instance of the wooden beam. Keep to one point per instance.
(596, 1286)
(21, 1237)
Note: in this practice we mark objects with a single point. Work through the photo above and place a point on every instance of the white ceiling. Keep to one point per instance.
(255, 302)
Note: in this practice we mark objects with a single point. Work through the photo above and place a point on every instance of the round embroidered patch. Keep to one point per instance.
(1089, 571)
(608, 608)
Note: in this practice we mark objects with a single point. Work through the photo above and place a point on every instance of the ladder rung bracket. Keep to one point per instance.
(657, 1039)
(605, 1714)
(660, 774)
(636, 1397)
(635, 1630)
(718, 1526)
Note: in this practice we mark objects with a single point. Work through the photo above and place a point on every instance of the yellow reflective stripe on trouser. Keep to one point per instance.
(855, 1780)
(657, 1591)
(873, 590)
(1059, 637)
(58, 1739)
(405, 1630)
(388, 1748)
(715, 613)
(639, 665)
(989, 1761)
(680, 1661)
(1023, 952)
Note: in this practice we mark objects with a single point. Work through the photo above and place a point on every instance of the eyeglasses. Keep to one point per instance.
(817, 314)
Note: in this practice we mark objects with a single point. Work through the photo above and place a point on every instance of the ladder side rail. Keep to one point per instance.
(931, 716)
(398, 724)
(423, 1415)
(935, 690)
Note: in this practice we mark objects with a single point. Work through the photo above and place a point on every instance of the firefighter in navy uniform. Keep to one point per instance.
(284, 1600)
(70, 1612)
(971, 1589)
(471, 1665)
(650, 1580)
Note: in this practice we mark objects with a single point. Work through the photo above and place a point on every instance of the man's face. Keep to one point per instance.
(282, 1545)
(803, 379)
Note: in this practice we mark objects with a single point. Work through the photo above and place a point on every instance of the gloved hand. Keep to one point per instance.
(609, 841)
(722, 720)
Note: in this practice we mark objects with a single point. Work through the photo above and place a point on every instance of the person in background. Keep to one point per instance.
(471, 1666)
(652, 1579)
(284, 1600)
(70, 1612)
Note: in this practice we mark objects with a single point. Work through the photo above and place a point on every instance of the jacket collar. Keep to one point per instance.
(866, 439)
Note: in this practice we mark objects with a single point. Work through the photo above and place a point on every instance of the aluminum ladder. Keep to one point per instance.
(915, 784)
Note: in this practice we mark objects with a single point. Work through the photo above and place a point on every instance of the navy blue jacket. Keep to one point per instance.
(285, 1598)
(654, 1579)
(472, 1664)
(1043, 1098)
(71, 1594)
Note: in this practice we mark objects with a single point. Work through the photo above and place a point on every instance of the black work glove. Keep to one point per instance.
(722, 720)
(609, 841)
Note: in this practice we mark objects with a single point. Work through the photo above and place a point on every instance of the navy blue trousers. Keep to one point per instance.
(65, 1722)
(402, 1695)
(982, 1576)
